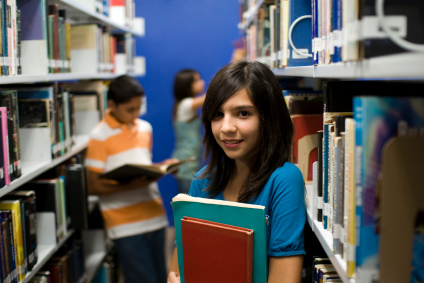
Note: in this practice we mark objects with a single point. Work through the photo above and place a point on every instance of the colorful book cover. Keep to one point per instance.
(225, 212)
(15, 207)
(5, 137)
(5, 68)
(337, 32)
(337, 213)
(378, 119)
(8, 59)
(10, 244)
(325, 170)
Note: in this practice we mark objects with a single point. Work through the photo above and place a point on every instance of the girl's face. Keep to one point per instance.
(236, 127)
(198, 85)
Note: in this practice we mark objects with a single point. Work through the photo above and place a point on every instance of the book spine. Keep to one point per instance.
(12, 241)
(277, 31)
(9, 37)
(3, 272)
(14, 97)
(350, 196)
(51, 45)
(325, 171)
(4, 67)
(32, 227)
(330, 179)
(342, 195)
(320, 174)
(68, 47)
(14, 38)
(5, 144)
(1, 39)
(18, 39)
(337, 197)
(24, 238)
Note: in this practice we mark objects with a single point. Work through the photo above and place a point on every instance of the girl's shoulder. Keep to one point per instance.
(199, 184)
(288, 173)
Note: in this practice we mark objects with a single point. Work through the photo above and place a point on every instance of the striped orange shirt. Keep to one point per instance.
(111, 145)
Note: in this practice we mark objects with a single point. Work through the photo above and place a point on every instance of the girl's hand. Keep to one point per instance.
(169, 161)
(173, 278)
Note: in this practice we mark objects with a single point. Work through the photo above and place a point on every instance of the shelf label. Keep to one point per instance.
(326, 211)
(351, 252)
(298, 56)
(2, 61)
(337, 38)
(370, 27)
(343, 237)
(331, 44)
(6, 61)
(319, 203)
(318, 44)
(323, 43)
(336, 231)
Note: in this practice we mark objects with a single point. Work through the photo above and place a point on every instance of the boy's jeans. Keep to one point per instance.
(142, 257)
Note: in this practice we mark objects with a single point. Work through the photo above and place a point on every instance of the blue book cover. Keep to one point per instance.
(32, 19)
(337, 32)
(326, 170)
(378, 119)
(301, 34)
(315, 31)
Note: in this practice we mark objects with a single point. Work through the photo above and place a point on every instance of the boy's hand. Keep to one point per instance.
(173, 278)
(168, 161)
(141, 181)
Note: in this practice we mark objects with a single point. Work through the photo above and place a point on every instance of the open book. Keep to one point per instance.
(129, 171)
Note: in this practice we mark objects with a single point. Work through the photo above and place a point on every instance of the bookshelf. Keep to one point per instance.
(399, 66)
(60, 77)
(45, 252)
(30, 170)
(76, 10)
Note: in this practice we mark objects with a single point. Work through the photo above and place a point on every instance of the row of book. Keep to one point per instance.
(359, 120)
(35, 113)
(65, 196)
(323, 271)
(65, 266)
(61, 47)
(341, 30)
(109, 270)
(119, 11)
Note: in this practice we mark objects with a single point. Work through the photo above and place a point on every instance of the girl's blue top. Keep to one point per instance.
(284, 199)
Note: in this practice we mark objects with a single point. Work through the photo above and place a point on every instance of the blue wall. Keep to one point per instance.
(180, 34)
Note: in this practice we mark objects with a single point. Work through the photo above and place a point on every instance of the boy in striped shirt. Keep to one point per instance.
(133, 213)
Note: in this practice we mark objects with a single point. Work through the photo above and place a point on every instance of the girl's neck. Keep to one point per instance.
(234, 186)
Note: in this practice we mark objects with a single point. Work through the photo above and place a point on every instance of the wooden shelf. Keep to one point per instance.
(30, 170)
(59, 77)
(45, 252)
(74, 9)
(408, 66)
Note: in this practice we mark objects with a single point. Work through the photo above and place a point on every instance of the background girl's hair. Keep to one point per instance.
(183, 82)
(276, 128)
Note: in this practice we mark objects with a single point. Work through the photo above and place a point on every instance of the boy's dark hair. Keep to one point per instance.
(124, 88)
(183, 82)
(275, 126)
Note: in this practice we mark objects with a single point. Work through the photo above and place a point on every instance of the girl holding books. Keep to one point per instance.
(188, 85)
(248, 136)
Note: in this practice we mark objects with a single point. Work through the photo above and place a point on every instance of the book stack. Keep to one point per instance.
(66, 265)
(213, 247)
(323, 271)
(341, 31)
(360, 120)
(50, 109)
(305, 109)
(122, 12)
(18, 244)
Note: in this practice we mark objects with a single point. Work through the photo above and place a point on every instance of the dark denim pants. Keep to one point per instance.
(142, 257)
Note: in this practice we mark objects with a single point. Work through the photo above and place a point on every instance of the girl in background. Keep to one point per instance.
(188, 85)
(248, 136)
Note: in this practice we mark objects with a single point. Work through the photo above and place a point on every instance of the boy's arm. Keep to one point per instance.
(98, 186)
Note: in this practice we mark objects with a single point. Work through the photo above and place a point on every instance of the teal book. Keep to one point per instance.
(378, 119)
(226, 212)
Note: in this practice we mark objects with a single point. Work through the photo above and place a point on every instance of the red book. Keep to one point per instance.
(305, 125)
(215, 252)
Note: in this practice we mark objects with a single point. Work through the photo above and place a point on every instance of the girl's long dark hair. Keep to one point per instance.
(276, 128)
(183, 82)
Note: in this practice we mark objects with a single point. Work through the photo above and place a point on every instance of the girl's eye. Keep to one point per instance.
(219, 114)
(244, 113)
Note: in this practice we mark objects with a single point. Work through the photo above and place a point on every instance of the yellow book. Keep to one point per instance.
(350, 189)
(68, 45)
(15, 207)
